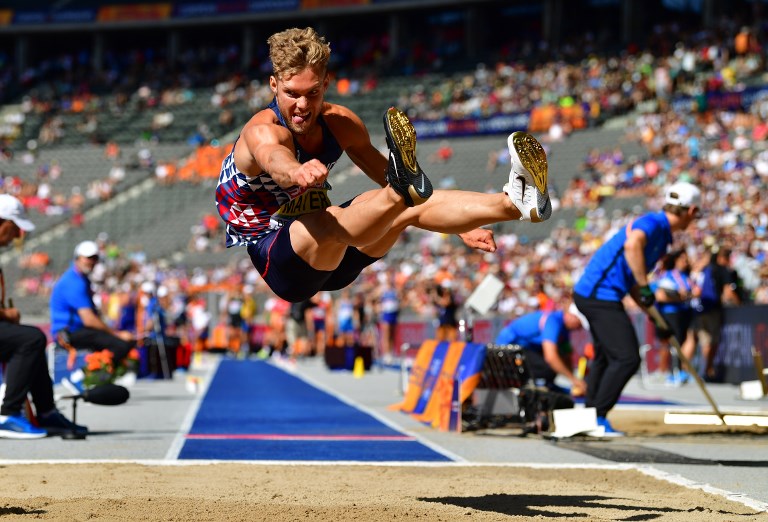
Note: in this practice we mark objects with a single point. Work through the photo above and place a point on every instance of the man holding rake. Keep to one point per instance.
(620, 267)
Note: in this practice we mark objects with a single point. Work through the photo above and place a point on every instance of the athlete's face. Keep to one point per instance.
(300, 98)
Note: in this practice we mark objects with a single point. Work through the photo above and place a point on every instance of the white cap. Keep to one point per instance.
(11, 208)
(162, 291)
(87, 249)
(582, 319)
(683, 194)
(148, 287)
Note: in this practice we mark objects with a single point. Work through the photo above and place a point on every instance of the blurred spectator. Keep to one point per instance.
(716, 285)
(112, 151)
(388, 302)
(345, 318)
(75, 319)
(154, 330)
(445, 301)
(443, 153)
(674, 290)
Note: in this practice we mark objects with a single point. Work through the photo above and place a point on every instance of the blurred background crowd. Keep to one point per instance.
(138, 145)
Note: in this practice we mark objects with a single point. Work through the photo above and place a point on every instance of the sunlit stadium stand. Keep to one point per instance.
(156, 220)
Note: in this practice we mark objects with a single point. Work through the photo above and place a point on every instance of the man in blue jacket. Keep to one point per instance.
(545, 337)
(620, 267)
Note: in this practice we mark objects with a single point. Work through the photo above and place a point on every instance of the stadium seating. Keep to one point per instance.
(157, 220)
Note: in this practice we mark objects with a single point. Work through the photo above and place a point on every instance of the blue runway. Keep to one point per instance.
(255, 411)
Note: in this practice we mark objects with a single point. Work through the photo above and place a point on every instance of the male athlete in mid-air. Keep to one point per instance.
(272, 190)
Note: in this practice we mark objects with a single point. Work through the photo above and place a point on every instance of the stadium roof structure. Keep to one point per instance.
(18, 15)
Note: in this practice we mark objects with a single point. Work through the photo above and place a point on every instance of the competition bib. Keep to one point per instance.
(312, 200)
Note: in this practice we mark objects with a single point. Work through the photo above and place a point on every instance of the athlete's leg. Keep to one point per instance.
(448, 212)
(525, 196)
(321, 238)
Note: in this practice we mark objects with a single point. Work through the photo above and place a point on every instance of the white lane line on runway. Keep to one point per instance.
(431, 445)
(186, 425)
(682, 481)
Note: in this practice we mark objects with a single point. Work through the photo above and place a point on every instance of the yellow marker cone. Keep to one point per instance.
(358, 370)
(197, 359)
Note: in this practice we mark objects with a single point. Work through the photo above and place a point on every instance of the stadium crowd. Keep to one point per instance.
(722, 151)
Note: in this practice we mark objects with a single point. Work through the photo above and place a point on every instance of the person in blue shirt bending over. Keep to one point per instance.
(545, 337)
(618, 268)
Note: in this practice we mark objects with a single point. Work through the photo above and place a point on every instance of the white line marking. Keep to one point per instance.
(690, 484)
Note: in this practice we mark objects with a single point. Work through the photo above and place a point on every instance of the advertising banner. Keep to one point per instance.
(499, 124)
(134, 12)
(208, 9)
(743, 328)
(440, 372)
(322, 4)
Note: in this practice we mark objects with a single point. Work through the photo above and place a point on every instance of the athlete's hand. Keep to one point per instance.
(479, 238)
(309, 174)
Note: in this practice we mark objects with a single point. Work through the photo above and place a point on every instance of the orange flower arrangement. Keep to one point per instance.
(99, 368)
(130, 363)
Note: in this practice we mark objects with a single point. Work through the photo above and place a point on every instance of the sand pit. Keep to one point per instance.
(70, 492)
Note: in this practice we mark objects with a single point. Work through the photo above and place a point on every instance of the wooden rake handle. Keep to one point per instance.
(659, 321)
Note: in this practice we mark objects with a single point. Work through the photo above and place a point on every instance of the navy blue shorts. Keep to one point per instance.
(291, 278)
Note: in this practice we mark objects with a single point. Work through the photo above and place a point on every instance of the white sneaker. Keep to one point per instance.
(127, 380)
(527, 187)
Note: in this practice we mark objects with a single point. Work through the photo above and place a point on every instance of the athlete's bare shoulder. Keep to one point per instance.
(263, 117)
(345, 125)
(264, 125)
(259, 134)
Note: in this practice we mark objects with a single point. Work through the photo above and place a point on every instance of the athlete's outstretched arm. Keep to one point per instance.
(267, 147)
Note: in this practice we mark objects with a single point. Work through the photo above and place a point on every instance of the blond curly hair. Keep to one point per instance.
(293, 50)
